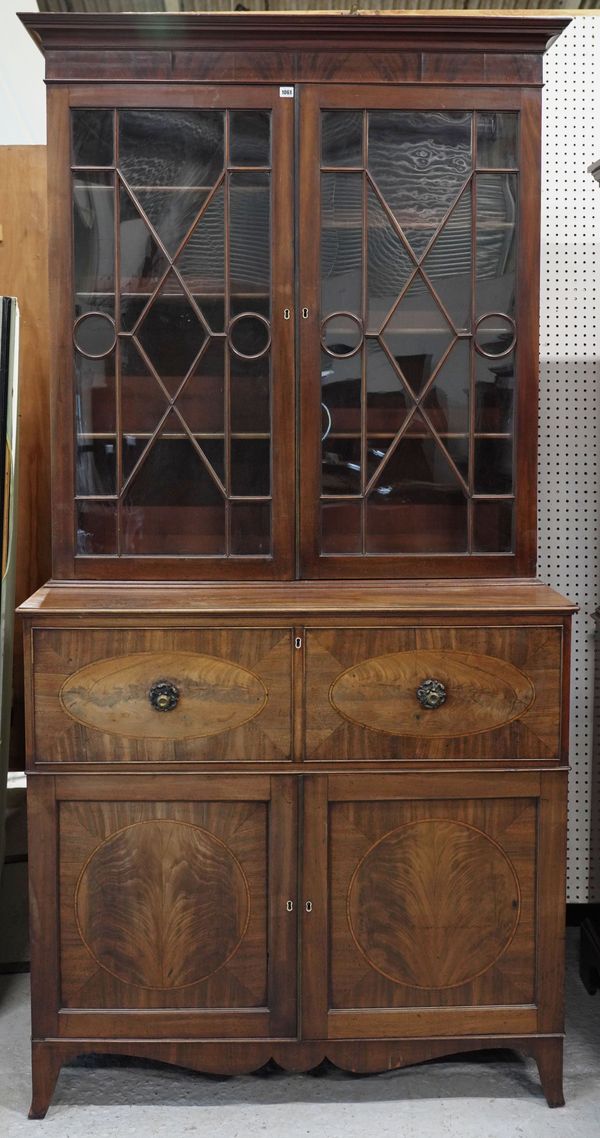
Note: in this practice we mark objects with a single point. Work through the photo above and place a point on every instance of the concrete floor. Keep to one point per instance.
(497, 1098)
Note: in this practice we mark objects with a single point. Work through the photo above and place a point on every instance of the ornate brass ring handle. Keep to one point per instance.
(431, 694)
(163, 695)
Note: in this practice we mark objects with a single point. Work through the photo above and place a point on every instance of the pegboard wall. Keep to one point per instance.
(569, 470)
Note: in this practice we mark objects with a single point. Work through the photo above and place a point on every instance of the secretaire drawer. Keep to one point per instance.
(473, 693)
(153, 695)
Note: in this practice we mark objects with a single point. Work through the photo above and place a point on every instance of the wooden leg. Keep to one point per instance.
(548, 1054)
(46, 1061)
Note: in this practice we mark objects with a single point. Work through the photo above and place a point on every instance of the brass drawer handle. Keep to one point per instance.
(163, 695)
(431, 694)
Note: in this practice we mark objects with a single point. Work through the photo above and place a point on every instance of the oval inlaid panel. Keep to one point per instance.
(162, 904)
(433, 904)
(113, 695)
(483, 692)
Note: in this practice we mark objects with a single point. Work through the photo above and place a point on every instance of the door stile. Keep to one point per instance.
(283, 920)
(314, 909)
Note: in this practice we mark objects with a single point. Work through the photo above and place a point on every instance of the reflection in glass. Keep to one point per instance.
(95, 409)
(340, 392)
(417, 334)
(93, 233)
(493, 526)
(250, 394)
(341, 527)
(448, 264)
(92, 137)
(96, 465)
(447, 401)
(494, 393)
(493, 466)
(249, 138)
(497, 138)
(250, 528)
(417, 504)
(173, 505)
(389, 263)
(341, 138)
(341, 466)
(341, 243)
(171, 334)
(250, 233)
(142, 262)
(496, 243)
(387, 401)
(96, 528)
(250, 467)
(420, 160)
(202, 261)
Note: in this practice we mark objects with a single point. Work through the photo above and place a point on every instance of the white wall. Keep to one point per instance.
(22, 91)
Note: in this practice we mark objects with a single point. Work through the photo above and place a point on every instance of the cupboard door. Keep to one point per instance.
(182, 372)
(440, 898)
(412, 346)
(168, 908)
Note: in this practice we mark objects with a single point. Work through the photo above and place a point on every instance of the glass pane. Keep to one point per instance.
(96, 528)
(497, 138)
(495, 335)
(92, 137)
(250, 466)
(493, 466)
(202, 401)
(340, 393)
(341, 527)
(342, 138)
(420, 160)
(250, 528)
(93, 233)
(202, 260)
(447, 401)
(96, 465)
(494, 393)
(250, 394)
(493, 527)
(94, 334)
(171, 334)
(95, 409)
(249, 335)
(389, 263)
(448, 264)
(496, 243)
(341, 466)
(142, 263)
(143, 403)
(171, 159)
(173, 506)
(341, 334)
(341, 243)
(214, 454)
(249, 138)
(418, 334)
(250, 234)
(387, 399)
(417, 505)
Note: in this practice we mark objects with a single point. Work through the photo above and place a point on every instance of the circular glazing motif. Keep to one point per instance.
(433, 904)
(162, 904)
(341, 334)
(249, 335)
(94, 334)
(495, 335)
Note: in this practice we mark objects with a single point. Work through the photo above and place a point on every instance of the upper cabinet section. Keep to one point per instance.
(250, 211)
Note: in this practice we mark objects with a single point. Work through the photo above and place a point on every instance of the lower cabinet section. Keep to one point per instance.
(426, 912)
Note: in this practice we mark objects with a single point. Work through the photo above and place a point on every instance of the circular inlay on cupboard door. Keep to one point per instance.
(433, 904)
(162, 904)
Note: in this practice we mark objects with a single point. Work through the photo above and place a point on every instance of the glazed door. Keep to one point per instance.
(439, 902)
(179, 337)
(173, 895)
(416, 227)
